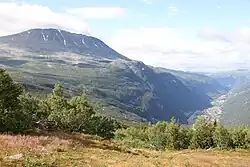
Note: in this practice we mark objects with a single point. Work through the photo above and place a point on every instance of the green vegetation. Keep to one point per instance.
(69, 119)
(20, 112)
(174, 136)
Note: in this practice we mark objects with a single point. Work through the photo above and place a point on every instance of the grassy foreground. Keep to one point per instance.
(62, 149)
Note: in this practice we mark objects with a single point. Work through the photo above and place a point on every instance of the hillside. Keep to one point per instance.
(201, 83)
(126, 89)
(232, 108)
(237, 106)
(77, 150)
(52, 131)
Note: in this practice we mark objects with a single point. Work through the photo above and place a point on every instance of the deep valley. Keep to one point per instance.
(125, 89)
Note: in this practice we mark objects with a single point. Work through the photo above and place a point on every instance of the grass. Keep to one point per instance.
(60, 149)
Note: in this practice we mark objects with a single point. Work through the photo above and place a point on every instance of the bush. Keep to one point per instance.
(57, 106)
(161, 136)
(157, 136)
(222, 138)
(240, 137)
(202, 134)
(135, 137)
(102, 126)
(177, 136)
(77, 115)
(172, 135)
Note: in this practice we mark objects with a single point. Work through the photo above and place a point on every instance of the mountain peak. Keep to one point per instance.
(51, 40)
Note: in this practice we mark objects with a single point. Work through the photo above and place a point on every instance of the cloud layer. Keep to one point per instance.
(97, 12)
(17, 17)
(207, 49)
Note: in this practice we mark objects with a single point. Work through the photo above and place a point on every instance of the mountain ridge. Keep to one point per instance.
(127, 89)
(39, 41)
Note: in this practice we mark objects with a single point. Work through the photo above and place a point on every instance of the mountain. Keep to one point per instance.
(236, 109)
(231, 79)
(44, 41)
(201, 83)
(124, 88)
(232, 108)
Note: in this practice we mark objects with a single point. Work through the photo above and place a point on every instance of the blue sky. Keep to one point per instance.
(182, 34)
(222, 14)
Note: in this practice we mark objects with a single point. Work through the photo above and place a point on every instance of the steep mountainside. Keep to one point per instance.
(202, 84)
(232, 108)
(236, 109)
(126, 89)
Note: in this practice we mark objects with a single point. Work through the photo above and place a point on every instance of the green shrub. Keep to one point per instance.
(157, 136)
(222, 138)
(177, 136)
(202, 134)
(240, 137)
(102, 126)
(133, 137)
(77, 115)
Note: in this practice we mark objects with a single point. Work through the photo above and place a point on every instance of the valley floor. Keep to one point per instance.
(212, 113)
(81, 150)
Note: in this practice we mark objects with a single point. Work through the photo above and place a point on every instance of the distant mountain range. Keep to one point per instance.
(126, 89)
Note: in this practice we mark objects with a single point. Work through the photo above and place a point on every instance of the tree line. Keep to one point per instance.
(171, 135)
(20, 112)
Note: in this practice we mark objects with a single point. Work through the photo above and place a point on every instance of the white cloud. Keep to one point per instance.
(173, 11)
(16, 17)
(243, 35)
(97, 12)
(213, 34)
(240, 35)
(181, 49)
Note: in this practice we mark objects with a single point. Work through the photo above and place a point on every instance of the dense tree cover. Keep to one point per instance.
(20, 111)
(172, 135)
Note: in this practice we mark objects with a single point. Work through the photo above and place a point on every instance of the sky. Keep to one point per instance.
(190, 35)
